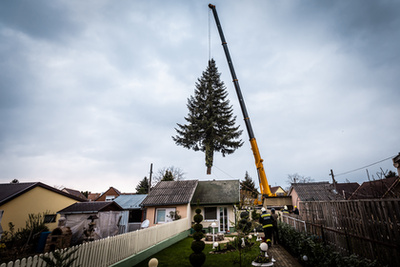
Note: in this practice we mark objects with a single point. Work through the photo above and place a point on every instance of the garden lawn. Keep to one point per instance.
(178, 255)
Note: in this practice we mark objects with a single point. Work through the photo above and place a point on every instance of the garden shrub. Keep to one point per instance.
(318, 254)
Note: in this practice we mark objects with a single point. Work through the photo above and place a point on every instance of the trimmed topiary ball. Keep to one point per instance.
(198, 246)
(198, 236)
(198, 227)
(197, 259)
(198, 218)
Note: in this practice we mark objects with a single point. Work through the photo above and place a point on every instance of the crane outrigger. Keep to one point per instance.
(262, 177)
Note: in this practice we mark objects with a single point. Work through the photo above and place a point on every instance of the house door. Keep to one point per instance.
(223, 220)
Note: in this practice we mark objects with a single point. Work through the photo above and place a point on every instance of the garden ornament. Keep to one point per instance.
(153, 262)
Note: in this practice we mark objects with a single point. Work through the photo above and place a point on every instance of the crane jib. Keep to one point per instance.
(264, 187)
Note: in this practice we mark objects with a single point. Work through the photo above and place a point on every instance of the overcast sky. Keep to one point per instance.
(91, 91)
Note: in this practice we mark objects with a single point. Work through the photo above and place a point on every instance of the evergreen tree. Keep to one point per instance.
(143, 186)
(211, 124)
(168, 176)
(248, 185)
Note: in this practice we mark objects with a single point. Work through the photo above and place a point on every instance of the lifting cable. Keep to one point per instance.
(209, 34)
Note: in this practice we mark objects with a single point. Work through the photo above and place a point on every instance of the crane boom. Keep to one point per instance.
(262, 178)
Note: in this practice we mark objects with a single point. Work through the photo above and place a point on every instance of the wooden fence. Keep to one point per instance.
(369, 228)
(107, 251)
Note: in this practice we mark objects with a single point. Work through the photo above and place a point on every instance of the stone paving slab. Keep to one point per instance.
(282, 257)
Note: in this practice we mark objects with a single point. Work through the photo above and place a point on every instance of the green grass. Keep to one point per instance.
(178, 255)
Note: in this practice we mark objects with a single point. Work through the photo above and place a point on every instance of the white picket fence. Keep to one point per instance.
(107, 251)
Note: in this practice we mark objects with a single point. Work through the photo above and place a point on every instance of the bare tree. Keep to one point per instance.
(297, 178)
(176, 173)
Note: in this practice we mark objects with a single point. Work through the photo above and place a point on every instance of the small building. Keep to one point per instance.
(278, 191)
(318, 191)
(346, 189)
(378, 189)
(133, 214)
(217, 200)
(79, 217)
(18, 200)
(169, 200)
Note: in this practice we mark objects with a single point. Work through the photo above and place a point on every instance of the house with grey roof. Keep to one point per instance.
(319, 191)
(168, 200)
(133, 214)
(105, 214)
(217, 199)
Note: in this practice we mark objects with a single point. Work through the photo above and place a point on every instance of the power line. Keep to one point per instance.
(369, 165)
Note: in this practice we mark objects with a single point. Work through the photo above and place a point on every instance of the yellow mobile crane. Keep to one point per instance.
(262, 178)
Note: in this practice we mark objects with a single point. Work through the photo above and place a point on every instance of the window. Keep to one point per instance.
(210, 213)
(110, 198)
(160, 216)
(50, 218)
(163, 215)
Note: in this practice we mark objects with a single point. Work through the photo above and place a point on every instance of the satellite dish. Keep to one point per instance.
(145, 224)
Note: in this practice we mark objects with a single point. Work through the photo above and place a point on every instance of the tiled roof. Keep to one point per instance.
(91, 207)
(11, 191)
(171, 193)
(217, 192)
(346, 189)
(130, 201)
(374, 189)
(93, 196)
(315, 191)
(74, 192)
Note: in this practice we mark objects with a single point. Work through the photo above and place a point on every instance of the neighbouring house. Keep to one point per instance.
(133, 214)
(346, 189)
(278, 191)
(105, 215)
(111, 194)
(318, 191)
(93, 196)
(74, 192)
(21, 199)
(168, 200)
(378, 189)
(217, 200)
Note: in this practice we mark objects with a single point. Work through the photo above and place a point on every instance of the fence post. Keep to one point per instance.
(322, 233)
(348, 242)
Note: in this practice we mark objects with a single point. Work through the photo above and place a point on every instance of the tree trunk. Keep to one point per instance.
(209, 158)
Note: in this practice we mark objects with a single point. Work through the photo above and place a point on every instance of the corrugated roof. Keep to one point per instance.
(315, 191)
(217, 192)
(10, 191)
(171, 193)
(91, 207)
(130, 201)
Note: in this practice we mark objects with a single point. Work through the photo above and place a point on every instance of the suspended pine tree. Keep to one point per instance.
(210, 123)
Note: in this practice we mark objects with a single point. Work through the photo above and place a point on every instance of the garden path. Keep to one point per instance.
(282, 257)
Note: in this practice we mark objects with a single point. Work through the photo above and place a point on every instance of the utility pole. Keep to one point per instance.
(333, 180)
(151, 172)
